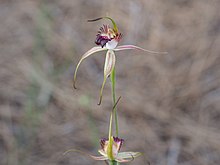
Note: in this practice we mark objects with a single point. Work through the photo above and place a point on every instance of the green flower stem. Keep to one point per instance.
(113, 80)
(110, 126)
(113, 112)
(113, 162)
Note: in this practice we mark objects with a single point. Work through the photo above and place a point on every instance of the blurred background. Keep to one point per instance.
(170, 106)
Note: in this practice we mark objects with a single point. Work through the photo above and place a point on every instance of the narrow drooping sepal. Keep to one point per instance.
(128, 47)
(87, 54)
(94, 157)
(109, 66)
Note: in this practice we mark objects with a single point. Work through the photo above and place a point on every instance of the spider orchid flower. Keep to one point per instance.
(110, 151)
(107, 40)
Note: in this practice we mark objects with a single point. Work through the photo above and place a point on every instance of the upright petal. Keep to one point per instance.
(104, 144)
(87, 54)
(109, 66)
(127, 47)
(117, 143)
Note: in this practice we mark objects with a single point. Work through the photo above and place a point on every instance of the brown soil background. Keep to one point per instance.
(170, 106)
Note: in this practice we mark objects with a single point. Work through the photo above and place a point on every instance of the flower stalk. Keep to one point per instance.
(113, 82)
(113, 162)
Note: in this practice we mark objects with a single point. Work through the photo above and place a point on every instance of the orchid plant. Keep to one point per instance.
(107, 40)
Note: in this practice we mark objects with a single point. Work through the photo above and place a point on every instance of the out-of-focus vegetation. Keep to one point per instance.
(170, 106)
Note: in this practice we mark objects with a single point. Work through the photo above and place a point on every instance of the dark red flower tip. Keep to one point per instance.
(118, 140)
(102, 142)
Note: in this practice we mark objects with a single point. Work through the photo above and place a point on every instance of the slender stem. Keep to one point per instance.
(113, 112)
(113, 80)
(113, 162)
(110, 126)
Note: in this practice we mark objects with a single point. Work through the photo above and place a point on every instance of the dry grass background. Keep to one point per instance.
(170, 107)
